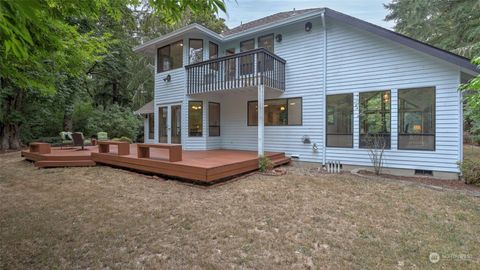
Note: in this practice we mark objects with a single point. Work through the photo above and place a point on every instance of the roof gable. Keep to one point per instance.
(284, 18)
(402, 39)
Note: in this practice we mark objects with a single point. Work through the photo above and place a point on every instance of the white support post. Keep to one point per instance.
(261, 110)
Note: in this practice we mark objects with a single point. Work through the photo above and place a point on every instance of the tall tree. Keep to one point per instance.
(44, 47)
(452, 25)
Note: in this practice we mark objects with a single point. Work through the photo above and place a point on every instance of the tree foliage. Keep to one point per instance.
(448, 24)
(56, 54)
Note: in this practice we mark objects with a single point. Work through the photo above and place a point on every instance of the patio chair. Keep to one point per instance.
(79, 140)
(102, 136)
(66, 138)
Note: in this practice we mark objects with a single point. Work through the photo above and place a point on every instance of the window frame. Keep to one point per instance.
(201, 113)
(169, 46)
(219, 119)
(151, 126)
(360, 118)
(264, 36)
(247, 59)
(286, 108)
(189, 46)
(213, 66)
(434, 117)
(352, 122)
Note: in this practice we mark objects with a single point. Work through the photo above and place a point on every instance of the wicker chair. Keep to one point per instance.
(79, 140)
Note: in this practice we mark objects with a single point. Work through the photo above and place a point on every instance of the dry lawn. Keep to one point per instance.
(108, 218)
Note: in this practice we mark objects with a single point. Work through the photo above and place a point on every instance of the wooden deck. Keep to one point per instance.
(201, 166)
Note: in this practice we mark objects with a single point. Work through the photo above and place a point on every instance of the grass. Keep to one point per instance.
(101, 217)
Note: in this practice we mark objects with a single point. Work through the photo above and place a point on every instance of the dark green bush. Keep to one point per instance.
(115, 120)
(470, 171)
(51, 140)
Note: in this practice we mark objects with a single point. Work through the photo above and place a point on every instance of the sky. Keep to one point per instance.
(247, 10)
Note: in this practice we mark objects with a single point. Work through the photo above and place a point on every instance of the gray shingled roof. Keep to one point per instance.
(145, 109)
(266, 20)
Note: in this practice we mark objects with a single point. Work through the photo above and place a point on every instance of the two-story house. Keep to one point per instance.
(324, 82)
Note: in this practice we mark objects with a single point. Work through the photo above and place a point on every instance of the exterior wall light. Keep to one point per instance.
(279, 37)
(308, 27)
(168, 78)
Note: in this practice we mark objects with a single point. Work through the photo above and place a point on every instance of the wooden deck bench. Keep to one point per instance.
(123, 147)
(174, 150)
(39, 147)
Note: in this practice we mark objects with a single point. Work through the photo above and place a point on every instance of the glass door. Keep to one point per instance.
(176, 124)
(162, 125)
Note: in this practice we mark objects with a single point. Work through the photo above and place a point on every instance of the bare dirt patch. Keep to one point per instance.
(100, 217)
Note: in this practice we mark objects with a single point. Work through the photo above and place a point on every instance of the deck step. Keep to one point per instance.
(281, 161)
(63, 163)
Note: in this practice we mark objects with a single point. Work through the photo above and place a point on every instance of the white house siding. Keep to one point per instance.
(358, 61)
(303, 53)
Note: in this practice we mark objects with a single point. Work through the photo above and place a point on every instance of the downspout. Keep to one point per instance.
(324, 90)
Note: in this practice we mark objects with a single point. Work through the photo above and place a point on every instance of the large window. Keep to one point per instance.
(339, 120)
(246, 62)
(213, 119)
(277, 112)
(375, 119)
(195, 118)
(170, 57)
(416, 119)
(151, 126)
(195, 50)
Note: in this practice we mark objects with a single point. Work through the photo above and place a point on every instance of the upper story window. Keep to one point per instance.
(246, 62)
(213, 54)
(265, 62)
(170, 56)
(375, 118)
(266, 42)
(212, 50)
(195, 50)
(416, 119)
(340, 120)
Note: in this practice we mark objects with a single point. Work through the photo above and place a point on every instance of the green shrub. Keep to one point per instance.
(470, 171)
(475, 139)
(264, 164)
(123, 139)
(54, 141)
(115, 120)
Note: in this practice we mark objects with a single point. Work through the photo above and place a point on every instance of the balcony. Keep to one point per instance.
(242, 70)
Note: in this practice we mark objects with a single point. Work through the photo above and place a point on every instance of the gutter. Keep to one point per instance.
(324, 90)
(222, 38)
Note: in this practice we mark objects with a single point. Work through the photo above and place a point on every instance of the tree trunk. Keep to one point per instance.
(10, 129)
(67, 122)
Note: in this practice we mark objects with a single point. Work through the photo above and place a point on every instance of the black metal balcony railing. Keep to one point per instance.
(245, 69)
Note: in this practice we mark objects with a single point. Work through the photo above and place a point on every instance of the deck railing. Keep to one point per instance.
(245, 69)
